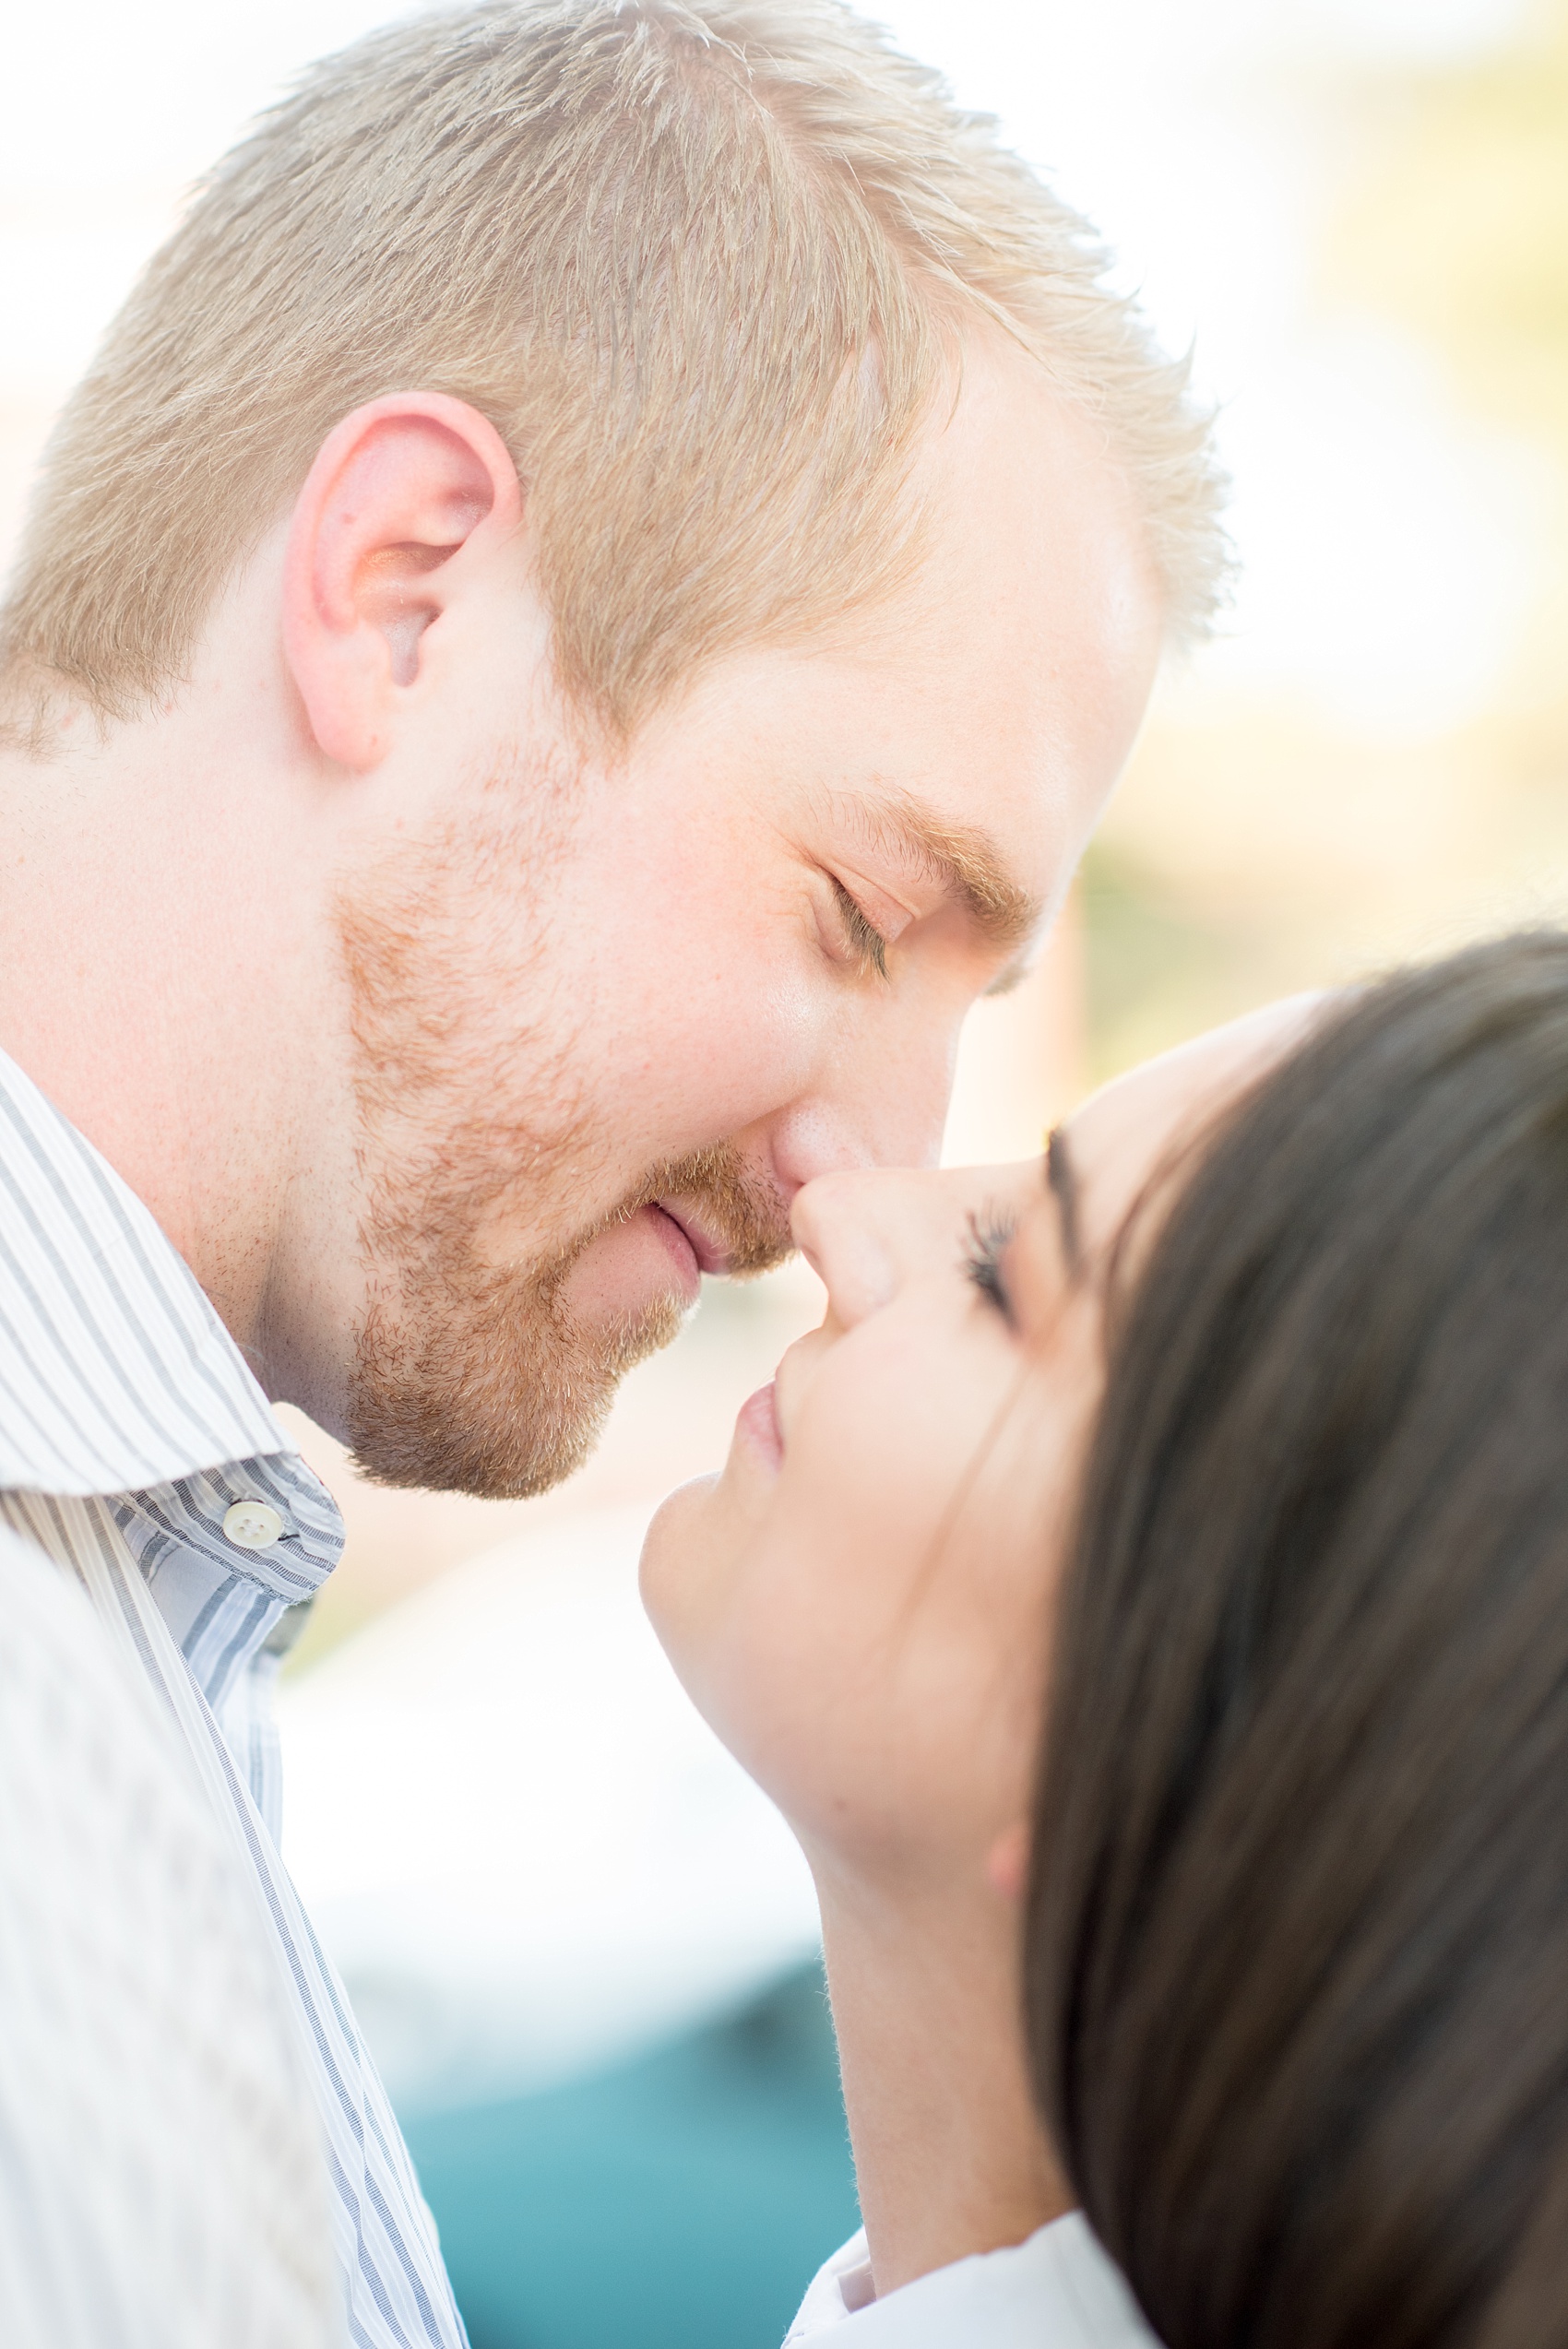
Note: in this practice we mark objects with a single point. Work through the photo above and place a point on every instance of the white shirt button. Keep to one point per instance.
(252, 1524)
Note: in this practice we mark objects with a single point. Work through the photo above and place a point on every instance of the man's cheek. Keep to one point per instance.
(709, 1065)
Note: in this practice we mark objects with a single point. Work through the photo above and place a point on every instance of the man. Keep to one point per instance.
(585, 611)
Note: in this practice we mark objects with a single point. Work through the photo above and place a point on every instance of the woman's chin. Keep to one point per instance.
(672, 1524)
(677, 1556)
(698, 1534)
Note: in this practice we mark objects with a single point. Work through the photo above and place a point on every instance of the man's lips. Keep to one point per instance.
(711, 1254)
(682, 1255)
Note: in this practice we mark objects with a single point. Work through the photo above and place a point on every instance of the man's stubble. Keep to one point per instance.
(470, 1372)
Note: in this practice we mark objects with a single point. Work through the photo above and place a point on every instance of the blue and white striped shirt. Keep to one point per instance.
(129, 1427)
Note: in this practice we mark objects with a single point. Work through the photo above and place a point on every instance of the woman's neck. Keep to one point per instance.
(950, 2156)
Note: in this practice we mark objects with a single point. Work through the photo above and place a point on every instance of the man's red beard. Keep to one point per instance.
(470, 1372)
(470, 1378)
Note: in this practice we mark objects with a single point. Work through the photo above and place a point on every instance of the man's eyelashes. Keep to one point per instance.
(867, 945)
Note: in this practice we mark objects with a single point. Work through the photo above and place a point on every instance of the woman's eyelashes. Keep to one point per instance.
(868, 948)
(988, 1236)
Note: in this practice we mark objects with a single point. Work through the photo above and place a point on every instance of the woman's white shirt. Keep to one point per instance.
(1057, 2291)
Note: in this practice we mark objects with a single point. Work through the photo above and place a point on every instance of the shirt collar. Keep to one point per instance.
(115, 1372)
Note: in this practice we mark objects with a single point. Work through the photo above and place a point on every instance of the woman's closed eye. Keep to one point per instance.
(989, 1235)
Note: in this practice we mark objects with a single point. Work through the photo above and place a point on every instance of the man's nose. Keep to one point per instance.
(883, 1104)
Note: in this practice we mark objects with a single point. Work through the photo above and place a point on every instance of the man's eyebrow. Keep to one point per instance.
(962, 858)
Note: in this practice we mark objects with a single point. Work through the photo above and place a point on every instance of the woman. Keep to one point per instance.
(860, 1605)
(1298, 1975)
(1208, 1323)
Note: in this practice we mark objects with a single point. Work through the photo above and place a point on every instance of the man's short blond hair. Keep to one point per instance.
(702, 264)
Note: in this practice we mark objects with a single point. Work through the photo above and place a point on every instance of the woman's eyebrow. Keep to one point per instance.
(1062, 1181)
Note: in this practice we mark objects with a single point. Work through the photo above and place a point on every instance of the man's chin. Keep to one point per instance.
(505, 1408)
(475, 1376)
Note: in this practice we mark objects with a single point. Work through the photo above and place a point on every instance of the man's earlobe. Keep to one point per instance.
(406, 500)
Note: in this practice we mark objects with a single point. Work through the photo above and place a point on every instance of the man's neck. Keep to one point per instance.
(156, 951)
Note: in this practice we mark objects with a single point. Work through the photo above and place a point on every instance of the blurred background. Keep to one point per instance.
(582, 1945)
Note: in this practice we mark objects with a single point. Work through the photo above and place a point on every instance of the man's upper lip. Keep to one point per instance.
(711, 1254)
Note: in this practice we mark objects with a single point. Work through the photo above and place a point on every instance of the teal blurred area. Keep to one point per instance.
(681, 2200)
(584, 1950)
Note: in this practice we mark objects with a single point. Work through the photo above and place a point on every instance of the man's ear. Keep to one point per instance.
(406, 500)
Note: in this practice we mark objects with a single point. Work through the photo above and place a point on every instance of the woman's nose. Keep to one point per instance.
(853, 1230)
(866, 1233)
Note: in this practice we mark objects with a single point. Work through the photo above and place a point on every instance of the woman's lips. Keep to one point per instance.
(756, 1426)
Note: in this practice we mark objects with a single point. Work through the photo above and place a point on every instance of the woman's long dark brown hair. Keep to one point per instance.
(1298, 1953)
